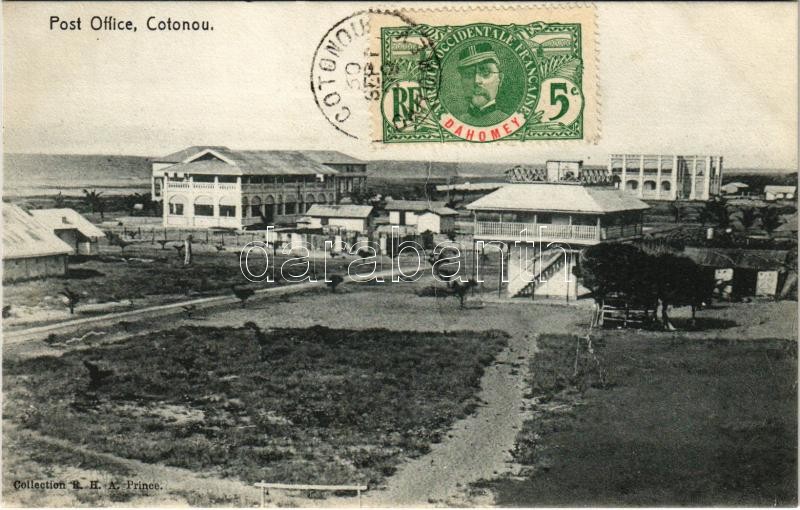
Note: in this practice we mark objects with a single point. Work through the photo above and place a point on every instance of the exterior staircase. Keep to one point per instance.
(536, 272)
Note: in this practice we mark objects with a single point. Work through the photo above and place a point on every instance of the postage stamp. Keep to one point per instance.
(478, 78)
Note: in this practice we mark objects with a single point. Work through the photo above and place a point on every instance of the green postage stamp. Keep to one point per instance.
(486, 82)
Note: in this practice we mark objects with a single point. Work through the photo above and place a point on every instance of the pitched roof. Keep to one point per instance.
(252, 163)
(471, 186)
(333, 158)
(789, 224)
(181, 155)
(413, 205)
(249, 162)
(554, 197)
(57, 219)
(779, 189)
(445, 211)
(737, 258)
(24, 236)
(339, 211)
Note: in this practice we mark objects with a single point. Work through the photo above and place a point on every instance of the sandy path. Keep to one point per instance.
(478, 446)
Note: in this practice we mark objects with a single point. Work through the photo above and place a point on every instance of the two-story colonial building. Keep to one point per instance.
(667, 177)
(543, 218)
(218, 187)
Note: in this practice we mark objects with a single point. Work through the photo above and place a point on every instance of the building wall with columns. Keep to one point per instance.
(667, 177)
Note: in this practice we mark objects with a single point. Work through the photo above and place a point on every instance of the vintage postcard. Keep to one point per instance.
(380, 255)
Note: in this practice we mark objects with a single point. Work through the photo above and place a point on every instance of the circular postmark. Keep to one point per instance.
(346, 73)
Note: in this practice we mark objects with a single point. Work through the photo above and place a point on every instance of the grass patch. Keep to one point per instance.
(654, 422)
(313, 405)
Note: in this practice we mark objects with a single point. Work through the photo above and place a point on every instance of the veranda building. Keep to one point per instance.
(543, 218)
(214, 186)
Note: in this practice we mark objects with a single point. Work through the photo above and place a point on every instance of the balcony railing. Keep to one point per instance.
(189, 185)
(536, 231)
(548, 232)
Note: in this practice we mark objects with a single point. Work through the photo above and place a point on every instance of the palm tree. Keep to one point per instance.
(59, 201)
(94, 201)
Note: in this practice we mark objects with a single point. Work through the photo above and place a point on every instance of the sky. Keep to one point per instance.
(683, 78)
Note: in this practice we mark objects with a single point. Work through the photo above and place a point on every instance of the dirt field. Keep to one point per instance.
(437, 386)
(657, 419)
(466, 447)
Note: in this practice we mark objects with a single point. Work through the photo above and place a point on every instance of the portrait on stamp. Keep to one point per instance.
(483, 82)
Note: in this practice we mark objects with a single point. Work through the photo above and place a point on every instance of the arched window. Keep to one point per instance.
(649, 185)
(632, 185)
(255, 207)
(204, 206)
(290, 204)
(227, 207)
(176, 205)
(666, 186)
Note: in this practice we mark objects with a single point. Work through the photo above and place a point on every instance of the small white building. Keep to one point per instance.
(733, 188)
(353, 218)
(72, 228)
(30, 249)
(418, 216)
(779, 192)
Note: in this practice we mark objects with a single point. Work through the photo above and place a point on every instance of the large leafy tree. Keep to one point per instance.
(679, 281)
(606, 268)
(645, 280)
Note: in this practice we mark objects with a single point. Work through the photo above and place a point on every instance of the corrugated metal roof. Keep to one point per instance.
(413, 205)
(339, 211)
(182, 155)
(24, 236)
(333, 158)
(553, 197)
(57, 219)
(247, 162)
(255, 163)
(471, 186)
